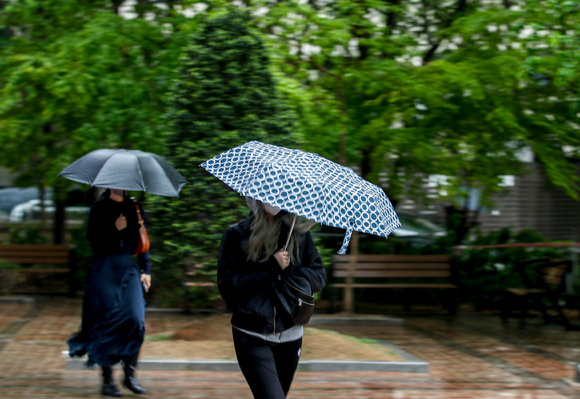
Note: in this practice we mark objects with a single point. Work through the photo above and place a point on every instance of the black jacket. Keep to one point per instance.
(104, 237)
(248, 287)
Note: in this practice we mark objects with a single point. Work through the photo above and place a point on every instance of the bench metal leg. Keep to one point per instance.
(333, 308)
(407, 300)
(505, 307)
(186, 309)
(452, 305)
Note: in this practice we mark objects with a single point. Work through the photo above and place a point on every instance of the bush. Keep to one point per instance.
(9, 276)
(84, 254)
(27, 234)
(484, 273)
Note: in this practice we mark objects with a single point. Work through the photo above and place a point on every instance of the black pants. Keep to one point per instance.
(267, 366)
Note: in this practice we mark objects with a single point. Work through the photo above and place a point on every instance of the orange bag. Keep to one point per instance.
(143, 244)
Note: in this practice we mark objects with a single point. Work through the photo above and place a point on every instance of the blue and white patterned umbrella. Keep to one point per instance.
(307, 185)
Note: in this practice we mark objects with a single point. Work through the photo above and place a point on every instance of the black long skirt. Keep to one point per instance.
(113, 321)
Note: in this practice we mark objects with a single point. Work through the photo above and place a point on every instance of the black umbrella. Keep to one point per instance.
(130, 170)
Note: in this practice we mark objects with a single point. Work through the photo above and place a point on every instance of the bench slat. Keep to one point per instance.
(370, 285)
(199, 284)
(35, 248)
(392, 267)
(30, 254)
(392, 258)
(395, 266)
(43, 270)
(395, 273)
(42, 261)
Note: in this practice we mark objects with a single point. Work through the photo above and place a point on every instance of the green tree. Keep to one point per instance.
(468, 113)
(225, 96)
(434, 88)
(76, 76)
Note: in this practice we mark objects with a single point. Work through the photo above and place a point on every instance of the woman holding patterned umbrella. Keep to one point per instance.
(253, 255)
(291, 182)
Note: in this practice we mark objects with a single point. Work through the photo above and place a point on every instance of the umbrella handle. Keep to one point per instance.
(346, 239)
(290, 232)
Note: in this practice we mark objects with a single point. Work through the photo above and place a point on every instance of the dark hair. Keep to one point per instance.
(107, 193)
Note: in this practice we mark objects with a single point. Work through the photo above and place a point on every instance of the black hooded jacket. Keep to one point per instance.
(248, 287)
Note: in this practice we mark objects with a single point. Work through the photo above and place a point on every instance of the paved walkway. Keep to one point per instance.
(471, 357)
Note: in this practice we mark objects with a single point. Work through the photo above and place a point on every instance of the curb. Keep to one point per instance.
(232, 365)
(314, 321)
(411, 364)
(354, 321)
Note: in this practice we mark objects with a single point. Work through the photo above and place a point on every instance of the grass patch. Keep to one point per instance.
(153, 338)
(330, 332)
(362, 340)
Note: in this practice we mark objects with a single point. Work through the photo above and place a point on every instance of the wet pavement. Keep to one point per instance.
(472, 356)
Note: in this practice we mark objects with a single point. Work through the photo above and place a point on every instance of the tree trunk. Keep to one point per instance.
(59, 200)
(461, 221)
(342, 137)
(59, 222)
(42, 194)
(348, 300)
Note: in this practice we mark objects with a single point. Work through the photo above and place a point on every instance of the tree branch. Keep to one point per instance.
(460, 7)
(322, 68)
(392, 16)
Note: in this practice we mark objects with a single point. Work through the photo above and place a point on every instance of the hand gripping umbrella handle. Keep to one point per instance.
(290, 232)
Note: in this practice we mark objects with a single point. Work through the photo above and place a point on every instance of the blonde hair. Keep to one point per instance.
(266, 235)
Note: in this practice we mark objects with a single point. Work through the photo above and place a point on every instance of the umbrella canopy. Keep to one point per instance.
(307, 185)
(130, 170)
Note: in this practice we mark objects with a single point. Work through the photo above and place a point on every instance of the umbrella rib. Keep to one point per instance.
(143, 185)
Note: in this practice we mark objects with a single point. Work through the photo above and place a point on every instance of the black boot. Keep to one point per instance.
(131, 382)
(109, 387)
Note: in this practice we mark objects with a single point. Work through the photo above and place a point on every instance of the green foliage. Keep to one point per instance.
(5, 265)
(77, 77)
(9, 276)
(84, 253)
(405, 90)
(225, 96)
(483, 274)
(27, 234)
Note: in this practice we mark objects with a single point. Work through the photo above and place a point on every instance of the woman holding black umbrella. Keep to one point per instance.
(113, 321)
(113, 325)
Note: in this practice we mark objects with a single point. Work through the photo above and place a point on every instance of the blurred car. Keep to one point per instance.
(413, 226)
(30, 211)
(12, 196)
(414, 229)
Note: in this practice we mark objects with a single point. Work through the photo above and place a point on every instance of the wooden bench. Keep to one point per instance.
(393, 271)
(32, 255)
